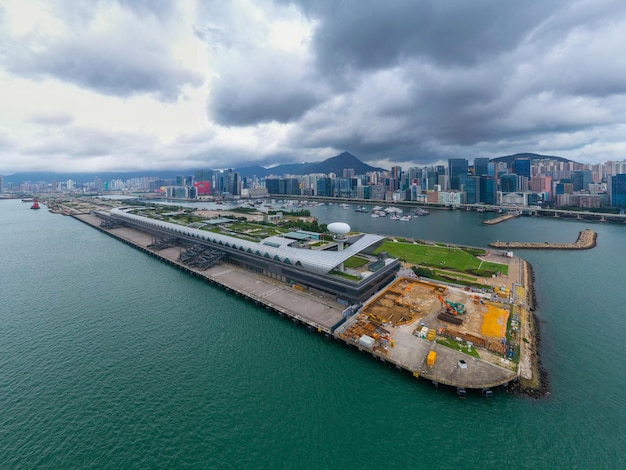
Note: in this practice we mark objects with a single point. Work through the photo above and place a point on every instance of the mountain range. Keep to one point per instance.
(531, 156)
(334, 164)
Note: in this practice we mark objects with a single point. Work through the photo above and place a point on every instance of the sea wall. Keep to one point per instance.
(533, 380)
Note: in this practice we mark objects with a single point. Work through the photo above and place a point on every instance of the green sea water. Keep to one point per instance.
(111, 359)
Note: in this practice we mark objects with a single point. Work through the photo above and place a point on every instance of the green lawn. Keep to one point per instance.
(465, 277)
(441, 257)
(449, 342)
(355, 262)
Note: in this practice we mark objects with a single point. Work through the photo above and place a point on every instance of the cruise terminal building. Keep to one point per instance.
(285, 259)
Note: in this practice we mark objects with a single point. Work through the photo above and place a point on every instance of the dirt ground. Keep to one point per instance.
(414, 302)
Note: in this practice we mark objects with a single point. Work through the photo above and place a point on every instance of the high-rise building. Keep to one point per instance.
(230, 182)
(618, 191)
(481, 166)
(290, 186)
(324, 187)
(563, 187)
(457, 169)
(472, 188)
(581, 179)
(272, 185)
(203, 188)
(521, 166)
(488, 190)
(396, 172)
(508, 183)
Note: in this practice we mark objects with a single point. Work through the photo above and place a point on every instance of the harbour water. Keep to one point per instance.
(111, 359)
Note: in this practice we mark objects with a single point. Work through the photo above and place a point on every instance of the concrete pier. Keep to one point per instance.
(319, 312)
(327, 316)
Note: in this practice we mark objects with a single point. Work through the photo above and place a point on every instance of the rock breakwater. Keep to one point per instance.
(586, 239)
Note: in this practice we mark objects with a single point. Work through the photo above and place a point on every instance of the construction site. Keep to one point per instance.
(450, 335)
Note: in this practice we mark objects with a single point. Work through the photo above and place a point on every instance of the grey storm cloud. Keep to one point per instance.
(273, 93)
(414, 81)
(106, 65)
(370, 35)
(121, 62)
(471, 73)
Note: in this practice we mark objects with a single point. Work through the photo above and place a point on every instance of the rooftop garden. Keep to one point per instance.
(448, 258)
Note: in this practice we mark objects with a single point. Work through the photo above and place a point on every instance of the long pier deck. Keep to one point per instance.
(318, 312)
(324, 315)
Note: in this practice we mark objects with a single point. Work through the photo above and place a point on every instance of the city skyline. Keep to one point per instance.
(130, 86)
(513, 181)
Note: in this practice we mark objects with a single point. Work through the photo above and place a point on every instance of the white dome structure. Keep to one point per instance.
(339, 228)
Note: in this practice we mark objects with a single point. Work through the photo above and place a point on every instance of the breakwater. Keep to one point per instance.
(586, 240)
(502, 218)
(533, 378)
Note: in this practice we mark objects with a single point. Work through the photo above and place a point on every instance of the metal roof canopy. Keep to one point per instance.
(315, 261)
(297, 235)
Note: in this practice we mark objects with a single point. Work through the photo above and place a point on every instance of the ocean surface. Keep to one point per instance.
(111, 359)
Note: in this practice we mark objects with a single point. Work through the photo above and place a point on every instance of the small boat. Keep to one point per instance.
(405, 218)
(361, 209)
(35, 204)
(419, 211)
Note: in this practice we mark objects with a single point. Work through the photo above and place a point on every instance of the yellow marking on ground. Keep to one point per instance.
(494, 322)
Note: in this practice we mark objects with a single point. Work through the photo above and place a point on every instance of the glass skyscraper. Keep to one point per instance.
(458, 168)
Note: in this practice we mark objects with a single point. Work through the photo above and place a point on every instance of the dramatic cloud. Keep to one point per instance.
(117, 53)
(138, 84)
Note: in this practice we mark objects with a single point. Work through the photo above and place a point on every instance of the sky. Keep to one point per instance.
(127, 85)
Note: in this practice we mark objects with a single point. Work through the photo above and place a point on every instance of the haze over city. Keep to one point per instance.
(132, 85)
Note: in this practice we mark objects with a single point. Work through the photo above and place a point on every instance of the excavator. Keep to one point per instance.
(451, 314)
(452, 308)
